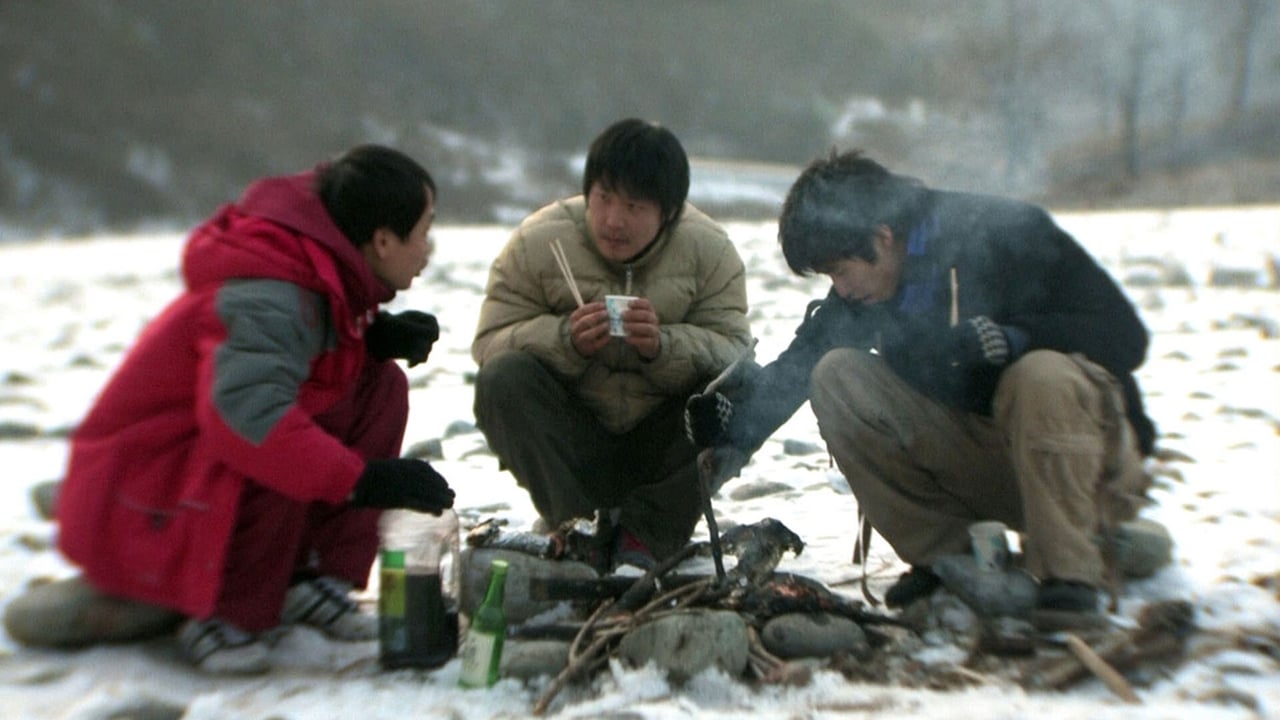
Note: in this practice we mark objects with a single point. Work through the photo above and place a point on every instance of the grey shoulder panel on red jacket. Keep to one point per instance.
(274, 330)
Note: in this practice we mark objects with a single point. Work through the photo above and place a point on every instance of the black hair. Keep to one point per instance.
(833, 209)
(370, 187)
(643, 160)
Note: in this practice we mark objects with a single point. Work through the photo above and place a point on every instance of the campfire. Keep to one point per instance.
(1043, 651)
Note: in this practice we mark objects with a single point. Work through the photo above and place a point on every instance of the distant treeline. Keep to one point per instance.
(119, 112)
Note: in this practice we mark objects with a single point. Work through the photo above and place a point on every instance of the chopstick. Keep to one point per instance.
(955, 298)
(561, 260)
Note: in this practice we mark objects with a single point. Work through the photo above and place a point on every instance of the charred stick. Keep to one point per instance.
(643, 588)
(575, 666)
(705, 470)
(609, 586)
(586, 628)
(763, 662)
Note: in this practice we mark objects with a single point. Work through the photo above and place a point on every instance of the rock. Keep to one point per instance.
(517, 603)
(528, 659)
(432, 449)
(751, 490)
(44, 496)
(990, 593)
(796, 635)
(686, 643)
(1142, 547)
(70, 613)
(133, 708)
(459, 427)
(942, 618)
(10, 430)
(1008, 636)
(800, 447)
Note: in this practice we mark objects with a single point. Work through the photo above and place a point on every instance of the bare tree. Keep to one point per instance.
(1245, 40)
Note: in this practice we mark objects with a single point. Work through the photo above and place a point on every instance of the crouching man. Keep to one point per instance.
(970, 362)
(232, 471)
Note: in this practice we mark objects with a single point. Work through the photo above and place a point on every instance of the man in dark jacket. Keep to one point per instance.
(971, 362)
(233, 468)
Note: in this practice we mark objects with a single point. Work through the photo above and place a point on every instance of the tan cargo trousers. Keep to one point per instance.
(1056, 462)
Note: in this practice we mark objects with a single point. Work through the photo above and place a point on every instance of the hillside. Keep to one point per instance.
(120, 114)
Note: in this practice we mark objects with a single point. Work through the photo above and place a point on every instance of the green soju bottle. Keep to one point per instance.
(481, 651)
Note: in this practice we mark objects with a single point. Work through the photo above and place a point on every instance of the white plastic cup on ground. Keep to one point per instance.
(616, 305)
(990, 545)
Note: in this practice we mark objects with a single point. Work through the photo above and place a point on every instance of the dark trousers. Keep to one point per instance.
(571, 466)
(277, 537)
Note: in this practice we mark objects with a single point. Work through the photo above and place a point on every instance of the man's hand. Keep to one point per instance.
(706, 419)
(402, 483)
(980, 341)
(641, 323)
(589, 328)
(408, 335)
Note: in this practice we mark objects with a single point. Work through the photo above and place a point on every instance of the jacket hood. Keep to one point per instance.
(279, 229)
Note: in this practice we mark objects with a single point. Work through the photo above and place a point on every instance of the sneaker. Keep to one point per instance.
(325, 603)
(630, 550)
(219, 647)
(1067, 596)
(916, 583)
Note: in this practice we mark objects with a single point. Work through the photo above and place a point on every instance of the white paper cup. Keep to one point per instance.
(990, 545)
(616, 305)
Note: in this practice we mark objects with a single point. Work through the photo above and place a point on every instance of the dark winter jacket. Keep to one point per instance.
(1013, 265)
(221, 387)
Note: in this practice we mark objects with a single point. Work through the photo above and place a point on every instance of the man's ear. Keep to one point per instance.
(882, 239)
(382, 239)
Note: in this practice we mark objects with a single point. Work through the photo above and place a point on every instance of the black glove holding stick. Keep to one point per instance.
(408, 335)
(707, 414)
(706, 419)
(980, 341)
(402, 483)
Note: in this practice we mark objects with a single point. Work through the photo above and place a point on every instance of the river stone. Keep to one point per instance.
(528, 659)
(70, 613)
(432, 449)
(44, 496)
(761, 488)
(520, 567)
(990, 593)
(686, 643)
(801, 447)
(796, 635)
(1142, 547)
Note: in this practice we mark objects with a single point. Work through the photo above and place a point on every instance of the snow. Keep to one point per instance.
(69, 309)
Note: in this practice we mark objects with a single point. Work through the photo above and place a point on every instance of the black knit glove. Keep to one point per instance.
(402, 483)
(706, 419)
(408, 335)
(979, 341)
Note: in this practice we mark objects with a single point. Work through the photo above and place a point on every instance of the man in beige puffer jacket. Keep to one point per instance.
(585, 421)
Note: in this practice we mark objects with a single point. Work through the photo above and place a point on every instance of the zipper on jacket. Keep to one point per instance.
(626, 290)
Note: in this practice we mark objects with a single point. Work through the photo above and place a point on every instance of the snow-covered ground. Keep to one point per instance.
(69, 308)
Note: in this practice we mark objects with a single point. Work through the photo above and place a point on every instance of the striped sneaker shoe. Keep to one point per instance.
(325, 603)
(218, 647)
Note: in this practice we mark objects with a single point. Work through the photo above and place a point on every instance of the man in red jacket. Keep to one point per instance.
(234, 467)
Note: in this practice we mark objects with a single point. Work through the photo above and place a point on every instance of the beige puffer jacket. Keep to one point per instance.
(692, 275)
